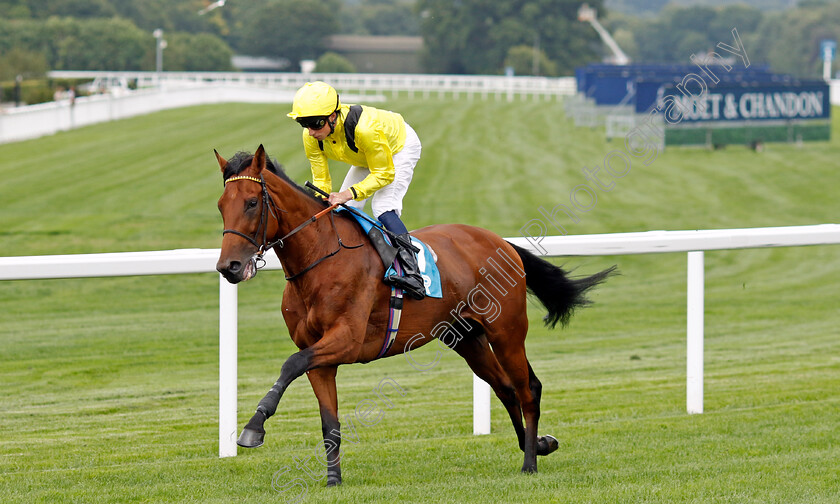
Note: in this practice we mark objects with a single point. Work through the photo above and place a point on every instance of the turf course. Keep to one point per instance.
(109, 386)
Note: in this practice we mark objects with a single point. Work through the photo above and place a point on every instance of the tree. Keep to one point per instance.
(18, 61)
(742, 17)
(525, 60)
(292, 29)
(72, 44)
(15, 9)
(71, 8)
(189, 52)
(169, 15)
(679, 32)
(96, 44)
(109, 44)
(638, 6)
(790, 41)
(389, 18)
(474, 36)
(379, 17)
(331, 62)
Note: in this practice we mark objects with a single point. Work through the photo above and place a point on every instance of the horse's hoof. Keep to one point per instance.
(527, 469)
(333, 478)
(547, 444)
(250, 438)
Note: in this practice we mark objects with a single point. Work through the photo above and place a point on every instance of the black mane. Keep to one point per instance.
(242, 160)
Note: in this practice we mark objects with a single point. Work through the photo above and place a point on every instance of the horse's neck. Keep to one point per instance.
(310, 243)
(295, 206)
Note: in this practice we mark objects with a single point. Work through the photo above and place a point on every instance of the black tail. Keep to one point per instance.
(556, 291)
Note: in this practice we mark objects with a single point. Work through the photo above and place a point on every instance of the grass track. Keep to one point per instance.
(108, 387)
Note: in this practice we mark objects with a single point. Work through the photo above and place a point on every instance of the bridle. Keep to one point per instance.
(274, 210)
(267, 202)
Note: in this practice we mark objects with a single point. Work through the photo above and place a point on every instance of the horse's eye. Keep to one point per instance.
(252, 203)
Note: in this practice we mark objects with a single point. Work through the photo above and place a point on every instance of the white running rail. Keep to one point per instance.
(204, 261)
(167, 90)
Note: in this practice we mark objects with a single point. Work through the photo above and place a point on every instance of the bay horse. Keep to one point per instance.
(336, 305)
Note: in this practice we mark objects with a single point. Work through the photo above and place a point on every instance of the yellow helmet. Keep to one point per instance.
(315, 99)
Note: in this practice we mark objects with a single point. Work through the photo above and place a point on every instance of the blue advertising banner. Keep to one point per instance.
(693, 103)
(614, 84)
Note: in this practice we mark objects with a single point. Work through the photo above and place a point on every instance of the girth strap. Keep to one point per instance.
(395, 307)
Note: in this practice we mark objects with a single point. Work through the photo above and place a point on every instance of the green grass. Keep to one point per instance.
(109, 387)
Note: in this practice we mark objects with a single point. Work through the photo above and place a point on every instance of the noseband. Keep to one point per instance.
(268, 202)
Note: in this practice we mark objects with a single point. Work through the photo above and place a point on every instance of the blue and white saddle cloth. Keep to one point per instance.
(426, 258)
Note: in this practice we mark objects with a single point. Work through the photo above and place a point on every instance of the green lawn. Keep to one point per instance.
(109, 387)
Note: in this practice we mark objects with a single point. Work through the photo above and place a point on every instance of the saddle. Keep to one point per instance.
(426, 261)
(382, 243)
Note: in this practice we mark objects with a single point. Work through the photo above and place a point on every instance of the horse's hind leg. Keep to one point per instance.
(323, 384)
(516, 366)
(509, 348)
(474, 348)
(545, 444)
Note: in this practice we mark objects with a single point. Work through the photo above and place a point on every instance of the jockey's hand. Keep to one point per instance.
(338, 198)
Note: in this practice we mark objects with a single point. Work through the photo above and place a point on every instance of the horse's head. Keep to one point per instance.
(245, 206)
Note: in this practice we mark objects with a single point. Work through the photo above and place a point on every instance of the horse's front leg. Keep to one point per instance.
(323, 384)
(254, 433)
(336, 347)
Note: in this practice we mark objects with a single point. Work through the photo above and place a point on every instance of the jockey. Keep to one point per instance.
(382, 150)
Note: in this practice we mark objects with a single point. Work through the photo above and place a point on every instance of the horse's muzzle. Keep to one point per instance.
(237, 271)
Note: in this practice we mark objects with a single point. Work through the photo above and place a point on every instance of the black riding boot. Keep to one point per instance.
(411, 281)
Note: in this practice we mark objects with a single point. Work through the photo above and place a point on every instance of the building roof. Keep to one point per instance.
(368, 43)
(259, 63)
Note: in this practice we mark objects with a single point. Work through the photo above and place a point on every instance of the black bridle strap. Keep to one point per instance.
(280, 241)
(334, 252)
(268, 202)
(243, 235)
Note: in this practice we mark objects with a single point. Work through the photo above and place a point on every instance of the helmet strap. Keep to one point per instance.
(332, 122)
(336, 112)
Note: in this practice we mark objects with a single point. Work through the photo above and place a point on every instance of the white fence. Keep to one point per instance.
(346, 82)
(202, 261)
(166, 90)
(35, 121)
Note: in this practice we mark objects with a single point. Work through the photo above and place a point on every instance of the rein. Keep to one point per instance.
(268, 202)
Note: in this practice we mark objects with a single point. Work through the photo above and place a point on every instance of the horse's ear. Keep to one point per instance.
(221, 160)
(259, 159)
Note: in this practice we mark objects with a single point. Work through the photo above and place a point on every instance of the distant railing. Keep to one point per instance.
(468, 85)
(139, 93)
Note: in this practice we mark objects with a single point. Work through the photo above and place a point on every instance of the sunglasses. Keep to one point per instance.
(314, 123)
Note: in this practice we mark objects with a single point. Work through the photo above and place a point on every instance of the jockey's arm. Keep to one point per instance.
(380, 163)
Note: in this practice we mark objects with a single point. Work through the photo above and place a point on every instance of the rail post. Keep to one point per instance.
(227, 367)
(694, 333)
